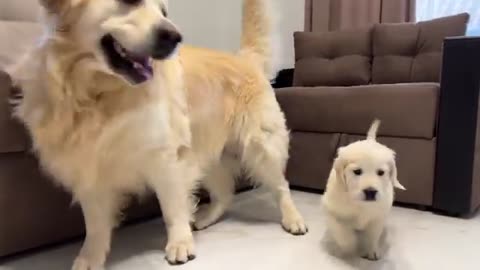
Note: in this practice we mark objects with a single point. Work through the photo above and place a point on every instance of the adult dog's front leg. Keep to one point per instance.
(99, 211)
(176, 204)
(175, 196)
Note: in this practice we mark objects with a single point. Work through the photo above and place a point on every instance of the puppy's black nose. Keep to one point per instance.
(370, 194)
(165, 42)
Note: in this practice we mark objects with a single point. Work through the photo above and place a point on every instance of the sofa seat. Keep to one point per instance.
(406, 110)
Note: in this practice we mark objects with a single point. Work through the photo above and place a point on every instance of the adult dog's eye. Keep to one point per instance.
(380, 172)
(131, 2)
(358, 172)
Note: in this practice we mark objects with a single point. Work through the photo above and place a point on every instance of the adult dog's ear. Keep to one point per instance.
(393, 176)
(54, 6)
(59, 7)
(62, 12)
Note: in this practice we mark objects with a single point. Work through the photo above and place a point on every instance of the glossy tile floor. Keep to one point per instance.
(250, 239)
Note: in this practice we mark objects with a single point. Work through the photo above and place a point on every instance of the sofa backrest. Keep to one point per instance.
(340, 58)
(19, 29)
(404, 53)
(386, 53)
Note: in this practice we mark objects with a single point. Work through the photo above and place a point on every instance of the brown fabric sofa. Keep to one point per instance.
(344, 80)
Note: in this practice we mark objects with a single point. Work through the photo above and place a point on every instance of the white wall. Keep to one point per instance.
(217, 24)
(292, 18)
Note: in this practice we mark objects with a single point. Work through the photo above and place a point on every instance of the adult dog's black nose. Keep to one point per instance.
(370, 194)
(169, 36)
(165, 42)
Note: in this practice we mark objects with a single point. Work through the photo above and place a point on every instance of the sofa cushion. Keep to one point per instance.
(311, 158)
(332, 59)
(412, 52)
(14, 137)
(15, 39)
(406, 110)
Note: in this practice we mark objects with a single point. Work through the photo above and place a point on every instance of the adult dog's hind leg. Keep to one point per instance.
(220, 183)
(100, 214)
(265, 159)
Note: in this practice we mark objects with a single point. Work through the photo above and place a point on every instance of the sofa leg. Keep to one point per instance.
(423, 208)
(448, 214)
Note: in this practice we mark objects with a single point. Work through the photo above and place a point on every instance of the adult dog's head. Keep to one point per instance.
(124, 36)
(367, 169)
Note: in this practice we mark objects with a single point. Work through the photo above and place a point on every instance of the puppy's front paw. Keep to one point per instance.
(295, 225)
(84, 264)
(180, 252)
(372, 256)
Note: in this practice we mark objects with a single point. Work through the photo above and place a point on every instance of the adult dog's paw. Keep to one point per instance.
(372, 256)
(295, 225)
(84, 264)
(180, 252)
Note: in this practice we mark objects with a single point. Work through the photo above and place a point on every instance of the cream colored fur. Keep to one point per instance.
(205, 115)
(354, 224)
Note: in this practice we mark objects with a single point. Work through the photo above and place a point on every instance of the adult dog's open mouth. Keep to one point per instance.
(134, 67)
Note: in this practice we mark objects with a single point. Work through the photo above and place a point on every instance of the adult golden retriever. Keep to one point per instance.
(115, 106)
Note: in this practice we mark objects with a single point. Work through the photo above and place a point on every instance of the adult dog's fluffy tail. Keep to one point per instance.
(258, 33)
(372, 132)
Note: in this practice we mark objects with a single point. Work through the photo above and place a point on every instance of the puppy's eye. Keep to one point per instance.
(131, 2)
(358, 172)
(380, 172)
(164, 12)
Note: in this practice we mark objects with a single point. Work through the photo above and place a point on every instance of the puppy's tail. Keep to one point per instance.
(372, 132)
(257, 34)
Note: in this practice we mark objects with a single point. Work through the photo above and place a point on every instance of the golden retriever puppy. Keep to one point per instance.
(359, 195)
(115, 105)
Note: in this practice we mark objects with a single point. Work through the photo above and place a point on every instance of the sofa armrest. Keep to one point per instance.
(13, 136)
(457, 172)
(284, 78)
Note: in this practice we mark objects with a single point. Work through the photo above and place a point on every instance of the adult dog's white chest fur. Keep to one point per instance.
(110, 139)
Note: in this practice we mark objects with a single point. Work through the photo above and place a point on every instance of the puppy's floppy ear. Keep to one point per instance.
(339, 166)
(393, 176)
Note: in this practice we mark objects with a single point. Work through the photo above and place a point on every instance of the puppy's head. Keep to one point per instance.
(124, 36)
(367, 169)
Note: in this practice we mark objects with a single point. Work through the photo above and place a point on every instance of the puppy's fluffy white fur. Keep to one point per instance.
(359, 195)
(204, 114)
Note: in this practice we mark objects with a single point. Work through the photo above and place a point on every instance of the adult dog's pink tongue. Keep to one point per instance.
(145, 70)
